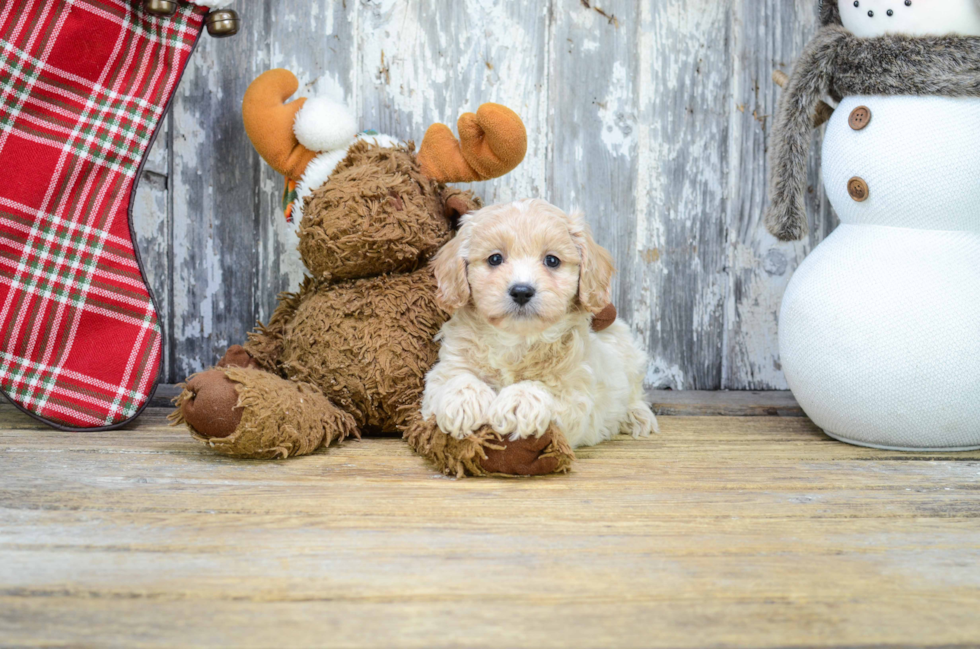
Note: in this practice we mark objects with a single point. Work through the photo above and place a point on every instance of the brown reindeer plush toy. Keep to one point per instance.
(347, 354)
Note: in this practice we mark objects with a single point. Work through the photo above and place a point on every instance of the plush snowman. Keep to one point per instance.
(879, 332)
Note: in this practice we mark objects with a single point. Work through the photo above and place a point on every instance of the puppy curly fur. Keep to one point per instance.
(838, 64)
(525, 367)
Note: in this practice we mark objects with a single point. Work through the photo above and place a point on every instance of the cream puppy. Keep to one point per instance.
(524, 280)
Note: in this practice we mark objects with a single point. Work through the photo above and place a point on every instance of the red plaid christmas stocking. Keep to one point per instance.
(83, 87)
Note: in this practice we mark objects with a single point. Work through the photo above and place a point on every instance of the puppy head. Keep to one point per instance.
(524, 266)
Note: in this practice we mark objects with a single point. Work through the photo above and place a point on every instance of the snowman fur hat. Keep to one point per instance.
(837, 64)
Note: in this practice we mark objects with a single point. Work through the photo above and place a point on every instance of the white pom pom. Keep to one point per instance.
(324, 125)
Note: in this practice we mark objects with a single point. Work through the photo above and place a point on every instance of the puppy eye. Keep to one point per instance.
(495, 259)
(552, 262)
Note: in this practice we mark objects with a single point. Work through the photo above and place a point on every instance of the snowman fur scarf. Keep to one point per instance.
(836, 64)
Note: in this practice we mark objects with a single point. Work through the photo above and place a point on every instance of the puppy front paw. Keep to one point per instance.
(522, 410)
(641, 421)
(463, 408)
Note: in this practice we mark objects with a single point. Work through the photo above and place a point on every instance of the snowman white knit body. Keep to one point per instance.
(880, 326)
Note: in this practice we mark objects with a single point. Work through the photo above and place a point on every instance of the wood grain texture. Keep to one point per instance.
(765, 36)
(700, 403)
(152, 221)
(428, 61)
(593, 129)
(679, 273)
(213, 189)
(651, 117)
(724, 531)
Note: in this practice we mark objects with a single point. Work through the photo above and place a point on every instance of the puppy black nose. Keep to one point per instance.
(521, 293)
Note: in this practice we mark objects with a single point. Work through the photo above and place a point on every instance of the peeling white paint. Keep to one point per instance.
(661, 376)
(616, 114)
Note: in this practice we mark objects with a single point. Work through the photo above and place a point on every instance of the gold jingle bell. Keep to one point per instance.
(160, 7)
(223, 23)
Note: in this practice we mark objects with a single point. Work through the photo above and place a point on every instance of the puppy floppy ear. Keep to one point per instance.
(449, 266)
(596, 269)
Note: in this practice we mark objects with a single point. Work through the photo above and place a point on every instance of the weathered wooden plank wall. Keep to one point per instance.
(651, 116)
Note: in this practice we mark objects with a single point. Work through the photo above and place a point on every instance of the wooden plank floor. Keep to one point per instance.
(722, 531)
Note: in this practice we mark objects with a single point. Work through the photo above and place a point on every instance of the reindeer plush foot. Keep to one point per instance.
(243, 411)
(484, 453)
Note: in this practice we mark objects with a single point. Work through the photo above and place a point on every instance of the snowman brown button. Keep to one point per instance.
(860, 118)
(858, 189)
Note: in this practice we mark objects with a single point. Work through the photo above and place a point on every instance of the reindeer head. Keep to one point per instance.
(367, 204)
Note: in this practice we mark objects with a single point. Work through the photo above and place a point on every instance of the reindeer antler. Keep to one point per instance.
(269, 122)
(491, 143)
